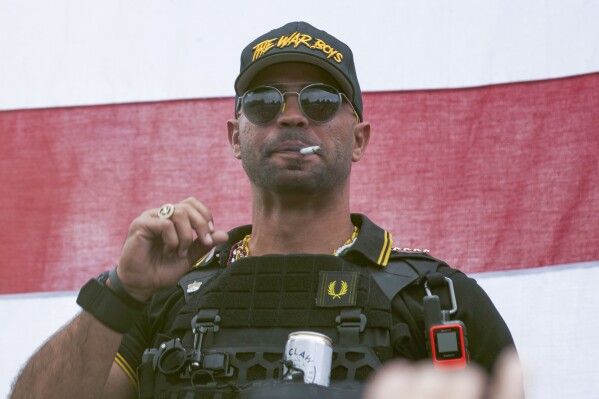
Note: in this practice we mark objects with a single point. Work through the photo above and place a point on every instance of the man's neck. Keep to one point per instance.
(286, 226)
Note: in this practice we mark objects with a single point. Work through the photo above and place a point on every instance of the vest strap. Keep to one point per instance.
(203, 326)
(350, 323)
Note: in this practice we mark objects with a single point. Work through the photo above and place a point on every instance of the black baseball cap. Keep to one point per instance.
(301, 42)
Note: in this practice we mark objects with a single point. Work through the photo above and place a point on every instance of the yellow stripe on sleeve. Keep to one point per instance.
(123, 364)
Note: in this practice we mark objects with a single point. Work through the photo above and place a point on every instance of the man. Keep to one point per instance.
(209, 317)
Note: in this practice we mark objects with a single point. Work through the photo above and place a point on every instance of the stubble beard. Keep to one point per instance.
(295, 178)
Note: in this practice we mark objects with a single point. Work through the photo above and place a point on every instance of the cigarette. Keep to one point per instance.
(310, 150)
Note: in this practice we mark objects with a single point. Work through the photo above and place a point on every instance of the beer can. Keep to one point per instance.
(312, 353)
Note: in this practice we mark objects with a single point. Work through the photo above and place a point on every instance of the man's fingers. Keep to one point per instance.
(189, 216)
(183, 226)
(469, 383)
(168, 234)
(202, 215)
(200, 221)
(156, 252)
(389, 382)
(201, 209)
(422, 381)
(508, 381)
(150, 228)
(198, 248)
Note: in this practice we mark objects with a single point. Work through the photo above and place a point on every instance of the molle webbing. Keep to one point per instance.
(281, 291)
(259, 300)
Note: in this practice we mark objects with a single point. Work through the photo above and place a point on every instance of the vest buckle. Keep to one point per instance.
(350, 323)
(203, 324)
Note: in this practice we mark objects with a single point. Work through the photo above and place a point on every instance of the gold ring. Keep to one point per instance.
(166, 211)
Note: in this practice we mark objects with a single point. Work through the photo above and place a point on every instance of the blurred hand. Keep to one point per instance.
(402, 380)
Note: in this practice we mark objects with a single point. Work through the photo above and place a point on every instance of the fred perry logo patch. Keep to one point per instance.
(337, 289)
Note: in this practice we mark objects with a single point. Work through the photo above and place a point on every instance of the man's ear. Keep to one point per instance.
(233, 135)
(361, 139)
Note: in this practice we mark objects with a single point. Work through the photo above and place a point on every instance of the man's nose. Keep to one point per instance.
(292, 115)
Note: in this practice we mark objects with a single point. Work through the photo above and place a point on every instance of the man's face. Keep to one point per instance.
(269, 153)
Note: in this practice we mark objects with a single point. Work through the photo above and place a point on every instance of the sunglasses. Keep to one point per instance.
(318, 102)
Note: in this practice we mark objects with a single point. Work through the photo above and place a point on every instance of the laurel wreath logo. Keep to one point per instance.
(331, 289)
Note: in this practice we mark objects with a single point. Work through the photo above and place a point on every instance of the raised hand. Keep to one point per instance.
(155, 253)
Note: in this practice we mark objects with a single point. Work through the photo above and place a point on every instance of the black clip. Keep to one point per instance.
(204, 322)
(350, 323)
(203, 325)
(207, 319)
(445, 314)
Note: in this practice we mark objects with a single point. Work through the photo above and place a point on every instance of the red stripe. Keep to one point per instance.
(488, 178)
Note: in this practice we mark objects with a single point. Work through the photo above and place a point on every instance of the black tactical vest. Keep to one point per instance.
(228, 338)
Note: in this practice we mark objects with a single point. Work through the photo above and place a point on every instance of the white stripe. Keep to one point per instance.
(28, 321)
(550, 311)
(65, 52)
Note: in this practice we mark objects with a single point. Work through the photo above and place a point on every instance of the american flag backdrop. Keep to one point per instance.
(485, 130)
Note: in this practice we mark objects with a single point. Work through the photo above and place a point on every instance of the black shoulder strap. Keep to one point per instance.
(402, 270)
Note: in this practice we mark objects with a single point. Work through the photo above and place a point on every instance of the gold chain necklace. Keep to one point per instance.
(242, 248)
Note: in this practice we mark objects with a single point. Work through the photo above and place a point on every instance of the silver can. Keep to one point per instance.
(312, 353)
